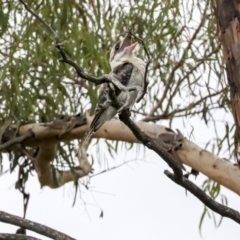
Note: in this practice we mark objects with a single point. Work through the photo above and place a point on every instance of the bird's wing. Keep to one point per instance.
(124, 72)
(101, 107)
(96, 122)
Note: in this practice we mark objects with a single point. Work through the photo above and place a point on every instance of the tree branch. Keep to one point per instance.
(5, 236)
(177, 66)
(110, 78)
(177, 177)
(167, 115)
(218, 169)
(151, 144)
(204, 198)
(55, 35)
(54, 178)
(16, 140)
(33, 226)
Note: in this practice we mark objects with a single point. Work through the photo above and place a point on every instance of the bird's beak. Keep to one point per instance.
(132, 47)
(126, 42)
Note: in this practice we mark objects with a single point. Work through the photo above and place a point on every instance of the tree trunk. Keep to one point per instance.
(228, 20)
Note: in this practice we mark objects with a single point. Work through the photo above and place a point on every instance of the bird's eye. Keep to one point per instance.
(117, 47)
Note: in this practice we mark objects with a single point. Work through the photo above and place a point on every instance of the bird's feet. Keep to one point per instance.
(124, 107)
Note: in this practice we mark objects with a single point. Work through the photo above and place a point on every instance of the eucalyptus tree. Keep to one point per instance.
(50, 51)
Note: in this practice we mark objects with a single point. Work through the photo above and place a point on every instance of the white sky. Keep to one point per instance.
(139, 202)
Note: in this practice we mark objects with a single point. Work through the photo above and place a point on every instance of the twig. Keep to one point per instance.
(167, 115)
(55, 35)
(25, 152)
(178, 65)
(33, 226)
(112, 168)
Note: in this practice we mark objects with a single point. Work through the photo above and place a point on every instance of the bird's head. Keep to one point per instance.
(122, 51)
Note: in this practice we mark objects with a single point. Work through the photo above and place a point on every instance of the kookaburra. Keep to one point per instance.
(129, 70)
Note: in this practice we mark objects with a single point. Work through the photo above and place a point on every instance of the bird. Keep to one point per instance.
(129, 70)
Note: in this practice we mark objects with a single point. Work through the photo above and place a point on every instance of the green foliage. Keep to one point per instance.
(181, 38)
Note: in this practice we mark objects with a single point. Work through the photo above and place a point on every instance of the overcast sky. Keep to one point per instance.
(138, 200)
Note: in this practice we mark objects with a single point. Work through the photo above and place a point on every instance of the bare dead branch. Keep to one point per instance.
(151, 144)
(204, 198)
(33, 226)
(178, 177)
(113, 168)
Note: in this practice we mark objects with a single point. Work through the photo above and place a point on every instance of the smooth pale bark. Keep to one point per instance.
(112, 130)
(216, 168)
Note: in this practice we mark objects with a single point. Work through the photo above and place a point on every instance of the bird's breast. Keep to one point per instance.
(124, 72)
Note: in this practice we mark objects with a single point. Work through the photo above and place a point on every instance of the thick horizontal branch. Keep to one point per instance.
(33, 226)
(45, 135)
(216, 168)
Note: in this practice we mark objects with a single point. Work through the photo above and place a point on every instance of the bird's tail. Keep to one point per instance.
(85, 140)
